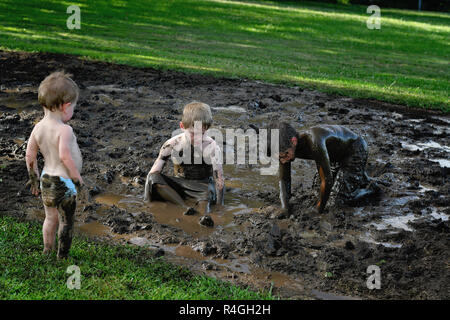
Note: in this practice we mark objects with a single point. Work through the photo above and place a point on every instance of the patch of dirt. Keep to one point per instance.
(123, 116)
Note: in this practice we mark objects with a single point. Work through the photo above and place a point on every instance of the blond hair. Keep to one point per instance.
(56, 89)
(196, 111)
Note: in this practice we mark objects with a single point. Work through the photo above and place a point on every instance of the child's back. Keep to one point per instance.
(49, 134)
(58, 94)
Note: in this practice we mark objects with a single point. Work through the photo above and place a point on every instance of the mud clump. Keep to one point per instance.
(206, 221)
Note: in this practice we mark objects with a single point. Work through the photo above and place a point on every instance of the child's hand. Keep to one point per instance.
(78, 181)
(33, 182)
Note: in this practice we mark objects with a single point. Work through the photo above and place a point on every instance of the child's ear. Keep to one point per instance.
(181, 125)
(64, 106)
(294, 141)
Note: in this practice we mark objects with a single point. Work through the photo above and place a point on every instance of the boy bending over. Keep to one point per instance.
(326, 145)
(197, 163)
(58, 94)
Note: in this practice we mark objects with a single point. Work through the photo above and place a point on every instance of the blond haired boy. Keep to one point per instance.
(197, 162)
(58, 95)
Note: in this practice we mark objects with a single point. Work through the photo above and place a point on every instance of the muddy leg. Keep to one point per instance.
(169, 194)
(373, 189)
(49, 228)
(354, 179)
(66, 220)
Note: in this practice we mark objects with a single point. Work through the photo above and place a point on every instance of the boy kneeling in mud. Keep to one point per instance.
(58, 94)
(327, 145)
(197, 163)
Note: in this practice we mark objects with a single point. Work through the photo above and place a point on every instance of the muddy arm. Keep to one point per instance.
(32, 166)
(285, 184)
(326, 183)
(148, 186)
(64, 148)
(216, 161)
(158, 166)
(220, 186)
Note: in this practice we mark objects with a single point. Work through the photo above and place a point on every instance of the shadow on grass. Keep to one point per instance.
(227, 37)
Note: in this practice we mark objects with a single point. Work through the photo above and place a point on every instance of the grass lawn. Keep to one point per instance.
(313, 45)
(107, 271)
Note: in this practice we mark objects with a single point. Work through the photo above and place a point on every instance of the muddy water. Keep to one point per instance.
(170, 214)
(19, 99)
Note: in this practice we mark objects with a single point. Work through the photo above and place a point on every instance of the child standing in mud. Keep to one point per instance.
(326, 145)
(58, 94)
(197, 163)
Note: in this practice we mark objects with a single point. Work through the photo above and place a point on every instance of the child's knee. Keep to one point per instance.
(51, 214)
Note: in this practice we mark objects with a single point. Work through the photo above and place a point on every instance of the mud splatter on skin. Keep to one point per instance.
(328, 253)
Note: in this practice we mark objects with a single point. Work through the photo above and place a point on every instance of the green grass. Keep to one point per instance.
(314, 45)
(107, 271)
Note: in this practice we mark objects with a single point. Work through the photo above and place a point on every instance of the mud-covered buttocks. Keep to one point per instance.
(53, 190)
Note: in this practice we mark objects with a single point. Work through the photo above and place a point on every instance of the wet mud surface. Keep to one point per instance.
(124, 115)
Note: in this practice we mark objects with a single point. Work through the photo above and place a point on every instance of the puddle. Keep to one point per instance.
(400, 201)
(400, 222)
(19, 98)
(170, 214)
(110, 88)
(232, 109)
(423, 189)
(439, 215)
(445, 163)
(367, 237)
(93, 228)
(16, 103)
(423, 146)
(415, 120)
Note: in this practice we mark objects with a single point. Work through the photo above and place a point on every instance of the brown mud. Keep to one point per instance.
(123, 116)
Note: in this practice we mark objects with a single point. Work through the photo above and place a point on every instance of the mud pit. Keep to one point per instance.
(125, 114)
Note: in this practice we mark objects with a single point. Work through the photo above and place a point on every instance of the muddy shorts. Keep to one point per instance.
(57, 189)
(201, 190)
(351, 175)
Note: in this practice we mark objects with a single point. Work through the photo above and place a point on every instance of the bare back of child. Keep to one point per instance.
(60, 176)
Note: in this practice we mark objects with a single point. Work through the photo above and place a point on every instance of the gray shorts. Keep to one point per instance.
(201, 190)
